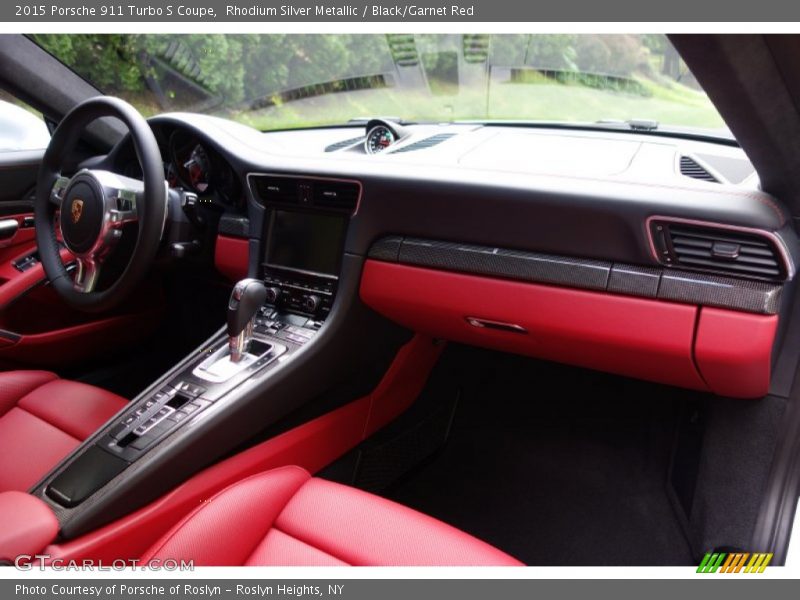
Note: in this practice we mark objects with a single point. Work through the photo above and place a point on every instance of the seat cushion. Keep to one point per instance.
(286, 517)
(42, 419)
(16, 384)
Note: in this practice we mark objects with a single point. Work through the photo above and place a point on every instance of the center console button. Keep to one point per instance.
(119, 431)
(189, 388)
(189, 409)
(163, 395)
(311, 302)
(143, 441)
(198, 390)
(273, 293)
(177, 416)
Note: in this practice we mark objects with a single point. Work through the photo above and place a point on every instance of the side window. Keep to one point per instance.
(21, 127)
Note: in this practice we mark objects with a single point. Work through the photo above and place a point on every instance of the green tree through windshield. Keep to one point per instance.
(288, 81)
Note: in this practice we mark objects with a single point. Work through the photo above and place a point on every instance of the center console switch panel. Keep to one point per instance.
(184, 397)
(298, 329)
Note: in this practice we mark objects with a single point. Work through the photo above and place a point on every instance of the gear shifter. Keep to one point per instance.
(247, 297)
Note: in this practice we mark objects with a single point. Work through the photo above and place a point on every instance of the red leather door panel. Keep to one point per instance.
(24, 240)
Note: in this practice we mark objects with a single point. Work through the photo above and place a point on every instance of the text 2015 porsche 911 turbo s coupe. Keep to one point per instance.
(398, 299)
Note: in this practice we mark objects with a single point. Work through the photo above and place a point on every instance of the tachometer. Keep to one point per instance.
(198, 169)
(378, 139)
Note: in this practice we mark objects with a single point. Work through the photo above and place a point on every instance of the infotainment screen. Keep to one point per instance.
(306, 241)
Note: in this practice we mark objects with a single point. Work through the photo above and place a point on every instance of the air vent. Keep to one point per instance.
(720, 250)
(691, 168)
(338, 195)
(426, 143)
(344, 144)
(280, 190)
(326, 194)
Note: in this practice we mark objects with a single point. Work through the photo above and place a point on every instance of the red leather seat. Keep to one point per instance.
(42, 419)
(285, 517)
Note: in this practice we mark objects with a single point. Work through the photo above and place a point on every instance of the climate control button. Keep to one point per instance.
(311, 302)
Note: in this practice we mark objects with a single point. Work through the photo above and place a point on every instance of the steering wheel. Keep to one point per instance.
(94, 206)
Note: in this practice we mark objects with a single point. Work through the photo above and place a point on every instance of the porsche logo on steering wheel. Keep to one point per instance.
(76, 210)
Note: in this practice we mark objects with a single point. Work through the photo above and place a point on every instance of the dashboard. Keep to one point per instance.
(441, 226)
(646, 256)
(565, 192)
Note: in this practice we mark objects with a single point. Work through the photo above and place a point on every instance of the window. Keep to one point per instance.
(21, 127)
(286, 81)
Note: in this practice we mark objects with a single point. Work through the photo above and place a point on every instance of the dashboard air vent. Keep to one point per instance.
(281, 190)
(338, 195)
(691, 168)
(426, 143)
(720, 250)
(327, 194)
(344, 144)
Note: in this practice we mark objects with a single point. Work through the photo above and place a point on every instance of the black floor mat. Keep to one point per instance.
(572, 477)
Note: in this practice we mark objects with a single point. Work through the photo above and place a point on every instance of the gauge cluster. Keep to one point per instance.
(190, 162)
(191, 165)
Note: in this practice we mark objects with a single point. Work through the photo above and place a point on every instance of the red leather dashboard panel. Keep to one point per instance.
(646, 339)
(231, 257)
(733, 351)
(619, 334)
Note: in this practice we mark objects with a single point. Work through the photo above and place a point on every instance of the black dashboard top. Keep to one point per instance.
(567, 192)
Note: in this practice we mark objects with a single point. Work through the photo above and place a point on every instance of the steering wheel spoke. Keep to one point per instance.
(87, 273)
(124, 194)
(118, 218)
(57, 193)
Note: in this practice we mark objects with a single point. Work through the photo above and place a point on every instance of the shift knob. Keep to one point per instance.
(247, 297)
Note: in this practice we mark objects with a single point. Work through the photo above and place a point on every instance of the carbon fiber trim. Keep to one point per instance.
(632, 280)
(234, 226)
(717, 290)
(387, 249)
(511, 264)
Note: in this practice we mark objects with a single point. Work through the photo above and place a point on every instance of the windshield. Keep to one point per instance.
(293, 81)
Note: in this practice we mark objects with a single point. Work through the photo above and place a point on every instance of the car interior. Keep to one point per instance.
(401, 343)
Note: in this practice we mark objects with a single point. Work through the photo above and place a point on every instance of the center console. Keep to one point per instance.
(300, 268)
(271, 316)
